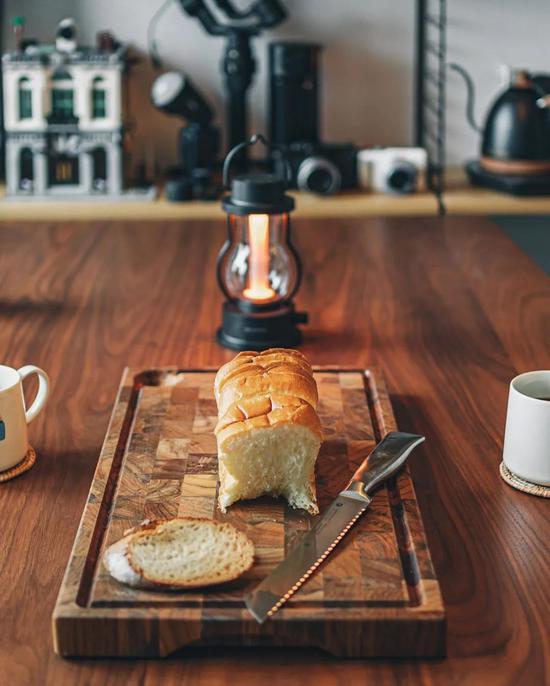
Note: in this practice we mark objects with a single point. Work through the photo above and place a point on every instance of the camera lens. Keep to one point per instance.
(318, 175)
(402, 177)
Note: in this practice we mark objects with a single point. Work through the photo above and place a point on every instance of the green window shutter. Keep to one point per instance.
(63, 102)
(99, 109)
(56, 101)
(25, 104)
(69, 102)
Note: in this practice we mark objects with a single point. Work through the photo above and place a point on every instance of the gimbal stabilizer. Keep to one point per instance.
(238, 65)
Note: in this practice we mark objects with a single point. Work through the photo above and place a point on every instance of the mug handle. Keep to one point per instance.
(42, 393)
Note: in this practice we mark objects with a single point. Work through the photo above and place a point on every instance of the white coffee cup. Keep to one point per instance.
(14, 417)
(527, 436)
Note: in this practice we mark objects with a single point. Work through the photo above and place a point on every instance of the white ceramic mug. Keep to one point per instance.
(527, 436)
(14, 417)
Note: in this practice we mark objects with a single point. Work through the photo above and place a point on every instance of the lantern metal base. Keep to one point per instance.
(260, 329)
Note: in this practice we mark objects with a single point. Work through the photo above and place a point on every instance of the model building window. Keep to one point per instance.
(26, 169)
(99, 99)
(25, 98)
(62, 98)
(99, 169)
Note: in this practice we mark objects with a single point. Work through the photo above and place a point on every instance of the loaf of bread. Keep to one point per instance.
(268, 430)
(179, 553)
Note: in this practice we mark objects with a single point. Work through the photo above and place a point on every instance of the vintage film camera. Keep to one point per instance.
(323, 168)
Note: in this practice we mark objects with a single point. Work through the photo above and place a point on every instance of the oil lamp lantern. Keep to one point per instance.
(258, 269)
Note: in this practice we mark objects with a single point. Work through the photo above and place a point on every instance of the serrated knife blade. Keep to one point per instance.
(330, 528)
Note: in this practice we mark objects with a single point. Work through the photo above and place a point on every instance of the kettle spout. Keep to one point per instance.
(470, 92)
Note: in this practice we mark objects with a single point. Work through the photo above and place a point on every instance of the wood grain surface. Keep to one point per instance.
(376, 595)
(450, 310)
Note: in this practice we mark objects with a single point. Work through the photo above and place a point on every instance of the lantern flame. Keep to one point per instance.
(258, 289)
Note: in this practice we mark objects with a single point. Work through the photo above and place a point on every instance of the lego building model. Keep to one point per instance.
(63, 118)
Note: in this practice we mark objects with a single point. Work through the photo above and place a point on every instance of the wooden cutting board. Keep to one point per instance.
(376, 595)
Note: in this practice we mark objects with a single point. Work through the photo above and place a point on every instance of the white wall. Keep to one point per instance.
(368, 60)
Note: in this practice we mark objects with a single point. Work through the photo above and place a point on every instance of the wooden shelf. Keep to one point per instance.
(356, 204)
(481, 201)
(460, 199)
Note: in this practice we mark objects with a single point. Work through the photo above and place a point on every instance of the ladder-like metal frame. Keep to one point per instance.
(430, 83)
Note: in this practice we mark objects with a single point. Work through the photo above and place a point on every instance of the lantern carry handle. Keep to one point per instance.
(252, 141)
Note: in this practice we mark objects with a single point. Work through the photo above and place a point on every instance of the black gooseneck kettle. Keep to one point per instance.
(515, 139)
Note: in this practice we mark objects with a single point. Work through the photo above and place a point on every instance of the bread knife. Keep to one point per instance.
(330, 528)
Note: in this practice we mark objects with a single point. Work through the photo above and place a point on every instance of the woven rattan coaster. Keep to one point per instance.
(24, 466)
(522, 485)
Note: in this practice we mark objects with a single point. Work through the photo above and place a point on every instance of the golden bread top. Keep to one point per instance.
(277, 370)
(264, 411)
(266, 359)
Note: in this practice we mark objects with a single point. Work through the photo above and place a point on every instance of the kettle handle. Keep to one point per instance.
(470, 93)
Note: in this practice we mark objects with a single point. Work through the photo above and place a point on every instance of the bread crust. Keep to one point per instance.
(284, 379)
(264, 359)
(274, 370)
(263, 411)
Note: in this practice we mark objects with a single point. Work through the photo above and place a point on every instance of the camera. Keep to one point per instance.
(392, 170)
(294, 122)
(321, 168)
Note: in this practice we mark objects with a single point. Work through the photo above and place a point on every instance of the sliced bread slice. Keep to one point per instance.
(184, 552)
